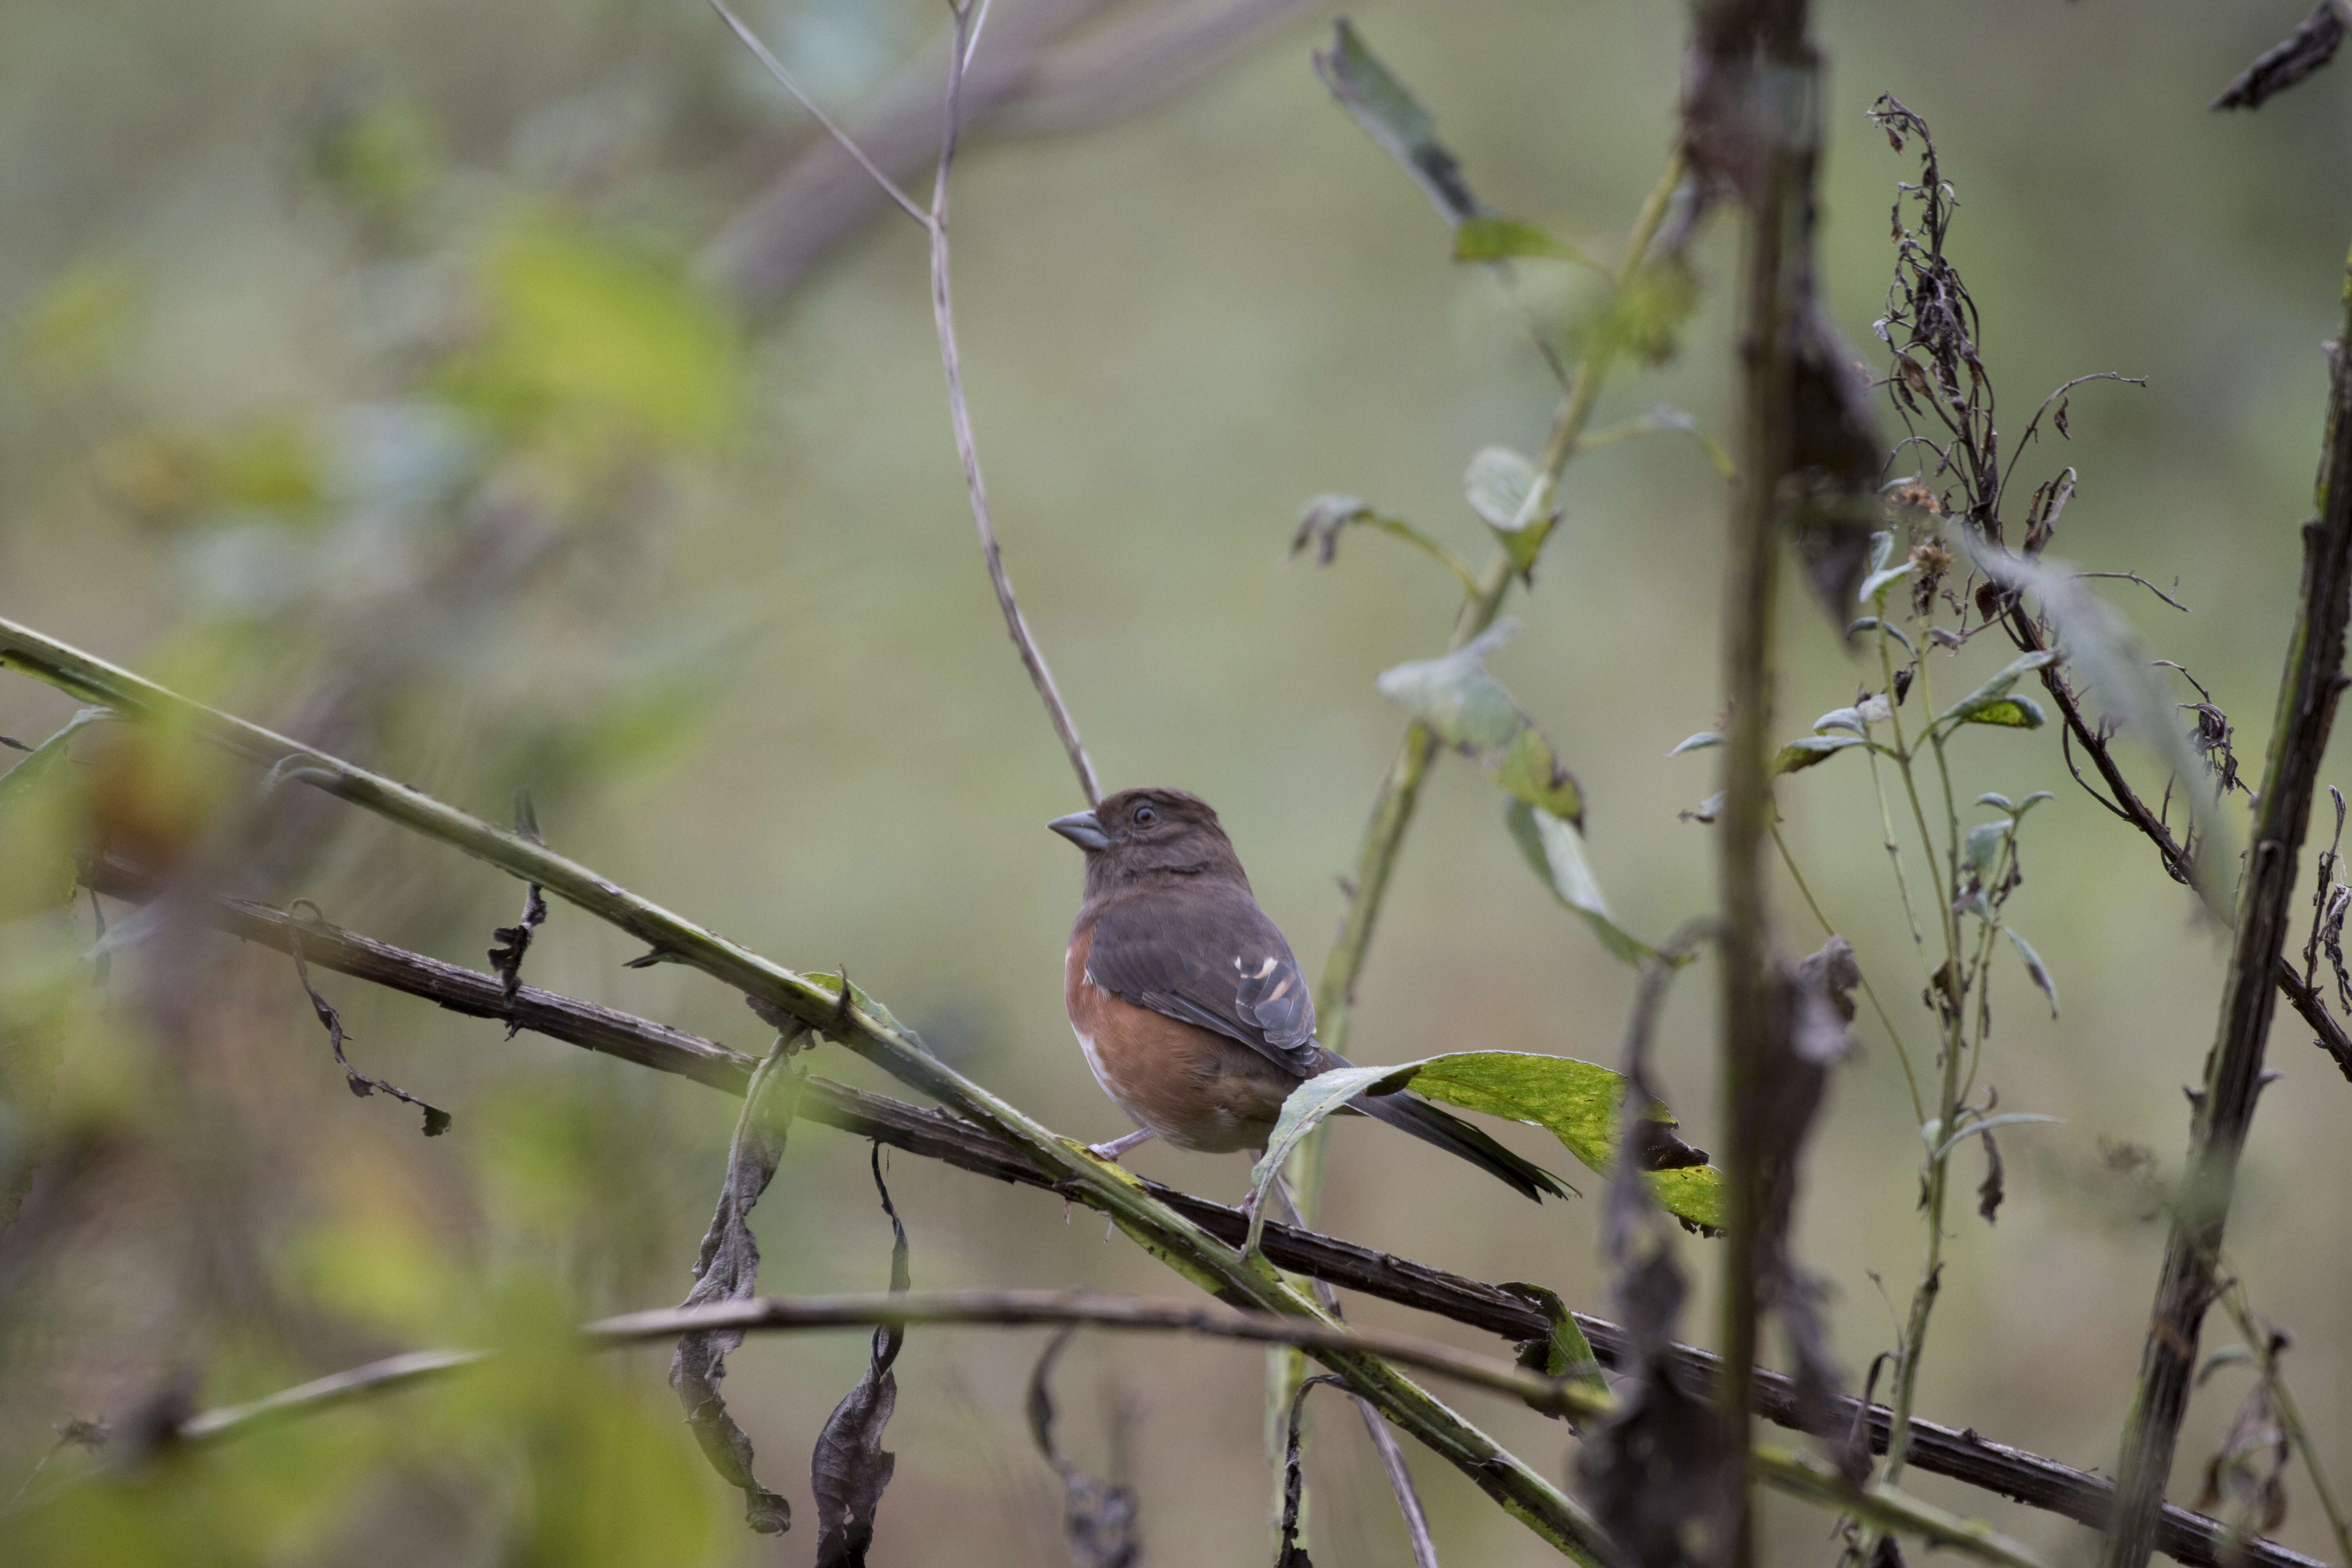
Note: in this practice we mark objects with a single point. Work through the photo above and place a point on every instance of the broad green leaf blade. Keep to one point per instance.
(1811, 750)
(1305, 1110)
(1399, 126)
(1555, 849)
(39, 826)
(1578, 1102)
(1470, 711)
(1508, 239)
(2037, 969)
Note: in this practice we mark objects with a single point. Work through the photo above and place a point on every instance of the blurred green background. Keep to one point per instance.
(374, 371)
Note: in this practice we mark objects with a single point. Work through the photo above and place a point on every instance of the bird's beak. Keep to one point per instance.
(1082, 829)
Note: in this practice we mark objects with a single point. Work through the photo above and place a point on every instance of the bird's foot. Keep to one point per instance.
(1112, 1150)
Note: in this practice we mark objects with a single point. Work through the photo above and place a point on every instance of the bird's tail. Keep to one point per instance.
(1410, 1113)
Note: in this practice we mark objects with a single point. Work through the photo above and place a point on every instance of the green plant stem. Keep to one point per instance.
(864, 1027)
(1950, 1007)
(1910, 1079)
(1400, 792)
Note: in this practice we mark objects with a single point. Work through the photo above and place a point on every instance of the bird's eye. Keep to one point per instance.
(1145, 817)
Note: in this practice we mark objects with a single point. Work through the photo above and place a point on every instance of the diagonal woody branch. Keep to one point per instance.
(840, 1014)
(2015, 1473)
(2224, 1107)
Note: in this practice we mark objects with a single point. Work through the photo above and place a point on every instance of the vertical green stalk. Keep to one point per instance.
(1400, 793)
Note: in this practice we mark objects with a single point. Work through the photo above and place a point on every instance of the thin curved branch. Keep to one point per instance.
(1800, 1475)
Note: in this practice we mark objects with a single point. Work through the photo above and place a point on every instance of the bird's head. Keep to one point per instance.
(1139, 834)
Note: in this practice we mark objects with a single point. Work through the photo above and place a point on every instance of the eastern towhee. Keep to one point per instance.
(1192, 1010)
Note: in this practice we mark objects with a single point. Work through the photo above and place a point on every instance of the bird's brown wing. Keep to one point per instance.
(1207, 955)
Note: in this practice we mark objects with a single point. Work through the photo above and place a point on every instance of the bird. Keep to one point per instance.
(1188, 1003)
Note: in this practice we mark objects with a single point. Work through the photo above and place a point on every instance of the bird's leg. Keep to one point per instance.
(1118, 1146)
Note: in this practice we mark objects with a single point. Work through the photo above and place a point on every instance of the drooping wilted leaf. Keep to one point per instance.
(726, 1268)
(1323, 518)
(850, 1470)
(514, 940)
(1698, 742)
(1307, 1108)
(1482, 238)
(1287, 1552)
(1401, 127)
(1555, 848)
(2312, 45)
(1991, 1190)
(2245, 1480)
(436, 1120)
(2036, 968)
(1098, 1518)
(1469, 710)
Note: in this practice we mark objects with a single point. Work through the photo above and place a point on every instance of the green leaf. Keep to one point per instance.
(1878, 583)
(1554, 846)
(1871, 624)
(2009, 712)
(39, 826)
(1469, 710)
(1578, 1102)
(1485, 238)
(1302, 1113)
(1564, 1352)
(1698, 742)
(1399, 125)
(1323, 518)
(1991, 702)
(1513, 497)
(1985, 843)
(1811, 751)
(1643, 318)
(2037, 969)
